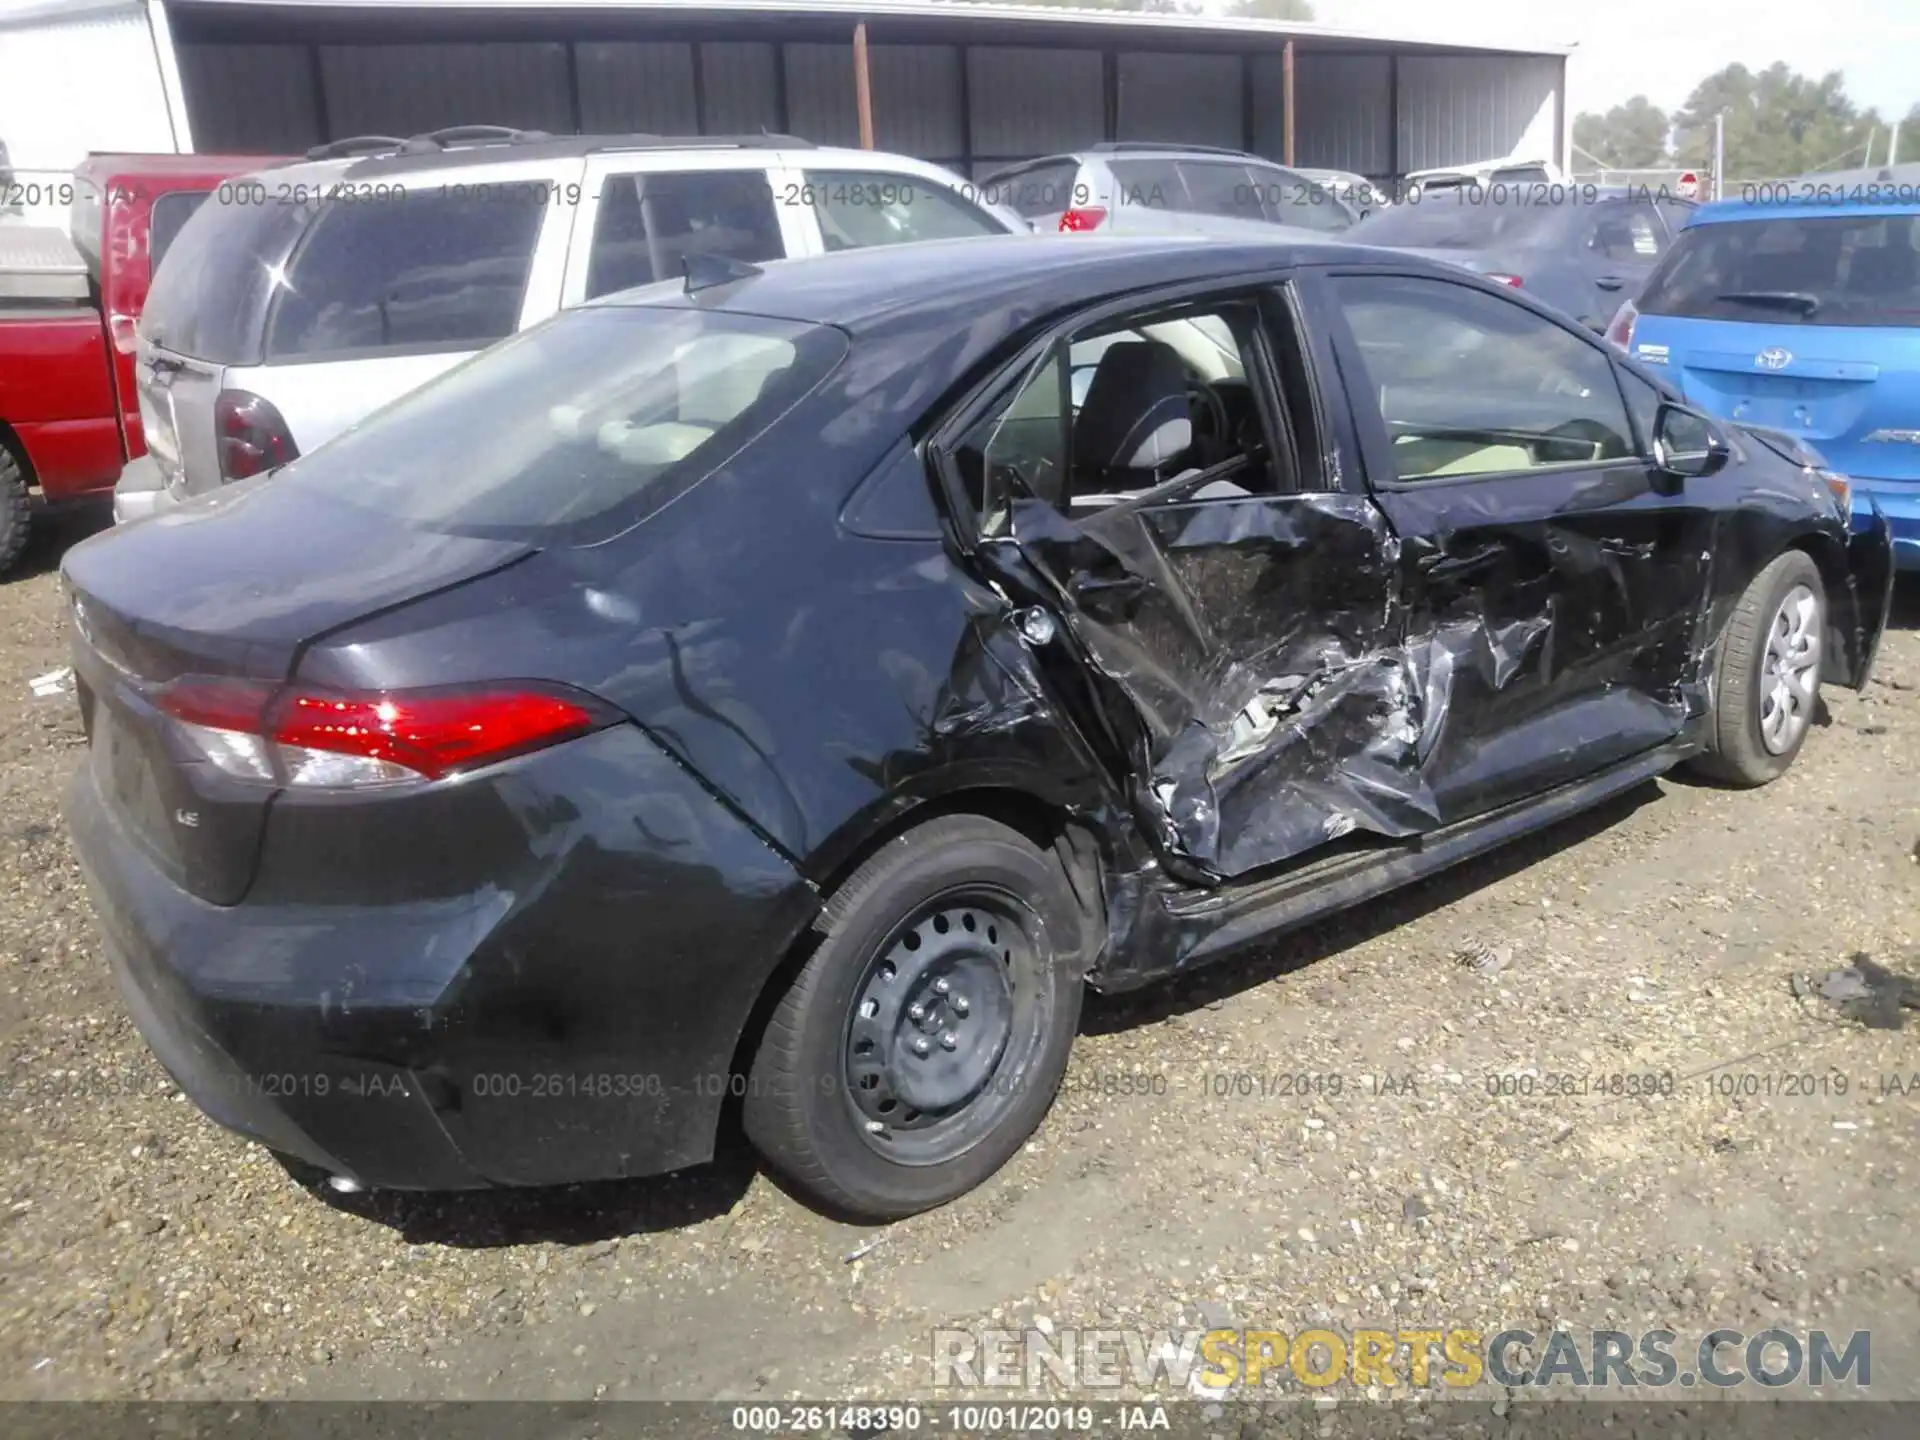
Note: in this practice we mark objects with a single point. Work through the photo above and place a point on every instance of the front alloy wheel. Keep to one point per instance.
(1766, 688)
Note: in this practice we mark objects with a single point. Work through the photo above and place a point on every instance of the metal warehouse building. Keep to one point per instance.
(969, 85)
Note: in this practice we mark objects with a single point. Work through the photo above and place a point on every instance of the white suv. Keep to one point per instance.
(300, 299)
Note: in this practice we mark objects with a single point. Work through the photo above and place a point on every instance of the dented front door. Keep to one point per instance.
(1553, 578)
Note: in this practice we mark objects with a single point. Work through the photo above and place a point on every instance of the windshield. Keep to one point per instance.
(1827, 270)
(1460, 218)
(608, 408)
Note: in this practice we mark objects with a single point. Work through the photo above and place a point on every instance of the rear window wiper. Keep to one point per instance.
(1780, 299)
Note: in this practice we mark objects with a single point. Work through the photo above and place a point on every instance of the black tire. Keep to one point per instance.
(16, 514)
(972, 877)
(1739, 752)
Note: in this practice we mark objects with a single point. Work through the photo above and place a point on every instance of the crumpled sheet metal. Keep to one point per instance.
(1277, 703)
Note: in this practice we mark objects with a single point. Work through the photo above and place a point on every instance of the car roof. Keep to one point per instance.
(393, 162)
(860, 290)
(1812, 208)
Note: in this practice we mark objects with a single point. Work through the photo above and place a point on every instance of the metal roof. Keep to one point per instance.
(961, 12)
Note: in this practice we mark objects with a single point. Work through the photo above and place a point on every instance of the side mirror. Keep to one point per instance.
(1685, 444)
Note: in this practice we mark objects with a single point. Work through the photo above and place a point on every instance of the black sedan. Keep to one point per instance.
(796, 686)
(1582, 248)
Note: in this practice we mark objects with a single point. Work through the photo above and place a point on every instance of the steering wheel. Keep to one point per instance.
(1212, 428)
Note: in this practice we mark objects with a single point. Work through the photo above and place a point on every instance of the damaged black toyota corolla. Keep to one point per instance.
(796, 687)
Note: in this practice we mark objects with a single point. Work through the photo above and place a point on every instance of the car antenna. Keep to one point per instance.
(705, 271)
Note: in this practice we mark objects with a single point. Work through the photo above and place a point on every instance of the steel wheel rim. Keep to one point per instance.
(1790, 671)
(944, 1025)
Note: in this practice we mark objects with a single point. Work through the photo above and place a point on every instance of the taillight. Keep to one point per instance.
(329, 740)
(1620, 331)
(1082, 218)
(253, 438)
(1499, 279)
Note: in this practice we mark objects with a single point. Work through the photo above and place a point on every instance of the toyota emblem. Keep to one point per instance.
(1774, 358)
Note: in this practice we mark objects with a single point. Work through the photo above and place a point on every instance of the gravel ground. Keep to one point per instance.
(1183, 1179)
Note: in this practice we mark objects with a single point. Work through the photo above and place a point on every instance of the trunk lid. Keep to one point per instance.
(1853, 393)
(234, 588)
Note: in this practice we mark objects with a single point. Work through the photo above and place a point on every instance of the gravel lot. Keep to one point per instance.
(145, 1253)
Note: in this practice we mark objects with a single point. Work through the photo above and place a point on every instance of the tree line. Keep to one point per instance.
(1779, 123)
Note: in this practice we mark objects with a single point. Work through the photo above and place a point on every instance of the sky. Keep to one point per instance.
(1663, 48)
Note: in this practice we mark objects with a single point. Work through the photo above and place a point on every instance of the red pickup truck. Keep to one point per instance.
(69, 408)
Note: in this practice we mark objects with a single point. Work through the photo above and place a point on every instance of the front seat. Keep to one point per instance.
(1134, 422)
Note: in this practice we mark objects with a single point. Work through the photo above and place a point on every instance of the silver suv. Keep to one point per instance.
(300, 299)
(1136, 188)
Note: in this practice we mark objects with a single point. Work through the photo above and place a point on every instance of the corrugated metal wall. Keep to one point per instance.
(1020, 101)
(1030, 102)
(1191, 98)
(1473, 107)
(1342, 111)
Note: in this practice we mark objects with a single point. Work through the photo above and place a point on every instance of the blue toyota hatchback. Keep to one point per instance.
(1801, 315)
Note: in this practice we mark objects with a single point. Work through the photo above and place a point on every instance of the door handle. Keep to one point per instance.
(1611, 282)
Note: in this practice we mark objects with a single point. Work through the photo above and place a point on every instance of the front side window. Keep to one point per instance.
(1469, 383)
(648, 225)
(1626, 231)
(858, 208)
(430, 269)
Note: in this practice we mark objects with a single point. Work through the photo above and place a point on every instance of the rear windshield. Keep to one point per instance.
(1037, 191)
(1462, 217)
(1828, 270)
(434, 269)
(600, 410)
(211, 286)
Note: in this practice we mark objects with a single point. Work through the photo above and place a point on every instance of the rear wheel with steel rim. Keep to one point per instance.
(923, 1040)
(1767, 674)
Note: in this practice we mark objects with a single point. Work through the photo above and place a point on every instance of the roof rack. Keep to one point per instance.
(355, 145)
(766, 138)
(1114, 147)
(451, 135)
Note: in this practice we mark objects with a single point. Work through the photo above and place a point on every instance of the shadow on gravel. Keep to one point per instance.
(1906, 603)
(1270, 959)
(56, 531)
(564, 1215)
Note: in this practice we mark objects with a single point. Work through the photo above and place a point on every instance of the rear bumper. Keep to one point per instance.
(140, 491)
(575, 1021)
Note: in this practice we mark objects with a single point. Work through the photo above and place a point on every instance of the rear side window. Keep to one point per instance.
(1305, 204)
(1825, 270)
(648, 225)
(599, 414)
(1149, 184)
(431, 270)
(170, 212)
(1041, 190)
(213, 283)
(860, 208)
(1226, 190)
